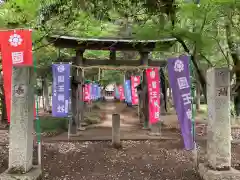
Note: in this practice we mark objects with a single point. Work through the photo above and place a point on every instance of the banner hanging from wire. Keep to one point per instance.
(61, 90)
(16, 49)
(153, 85)
(179, 78)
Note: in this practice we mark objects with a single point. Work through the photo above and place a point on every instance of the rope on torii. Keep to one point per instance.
(120, 68)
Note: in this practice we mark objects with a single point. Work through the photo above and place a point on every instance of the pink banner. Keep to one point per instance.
(121, 92)
(135, 81)
(86, 92)
(153, 94)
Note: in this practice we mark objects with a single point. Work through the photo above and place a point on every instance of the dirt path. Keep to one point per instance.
(130, 127)
(137, 160)
(143, 160)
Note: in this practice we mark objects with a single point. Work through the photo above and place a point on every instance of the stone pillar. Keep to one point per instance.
(218, 165)
(116, 131)
(219, 127)
(162, 105)
(21, 126)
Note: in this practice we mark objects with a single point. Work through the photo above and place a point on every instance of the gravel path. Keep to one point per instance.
(140, 160)
(137, 160)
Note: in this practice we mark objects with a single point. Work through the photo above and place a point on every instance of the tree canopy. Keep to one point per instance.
(209, 32)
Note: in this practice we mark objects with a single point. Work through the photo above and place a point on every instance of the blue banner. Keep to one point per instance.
(60, 90)
(95, 89)
(127, 91)
(99, 92)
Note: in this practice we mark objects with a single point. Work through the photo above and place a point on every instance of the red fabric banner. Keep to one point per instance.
(153, 85)
(16, 49)
(121, 92)
(135, 81)
(86, 91)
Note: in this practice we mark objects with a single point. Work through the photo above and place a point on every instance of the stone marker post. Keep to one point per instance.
(218, 165)
(21, 127)
(155, 129)
(22, 116)
(219, 127)
(116, 131)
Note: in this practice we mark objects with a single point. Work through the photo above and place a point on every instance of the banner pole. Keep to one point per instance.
(38, 125)
(70, 104)
(195, 158)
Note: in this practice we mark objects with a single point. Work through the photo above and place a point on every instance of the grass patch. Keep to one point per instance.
(52, 124)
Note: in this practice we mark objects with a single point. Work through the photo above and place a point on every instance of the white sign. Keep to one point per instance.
(15, 40)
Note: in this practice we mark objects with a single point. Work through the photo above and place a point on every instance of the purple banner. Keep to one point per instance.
(60, 90)
(179, 78)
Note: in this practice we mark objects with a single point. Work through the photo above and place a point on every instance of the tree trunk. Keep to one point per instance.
(233, 52)
(198, 96)
(46, 95)
(43, 99)
(237, 95)
(4, 119)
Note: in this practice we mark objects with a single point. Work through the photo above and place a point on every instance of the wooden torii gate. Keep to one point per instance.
(144, 47)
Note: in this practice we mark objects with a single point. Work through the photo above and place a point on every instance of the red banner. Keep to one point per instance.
(121, 92)
(153, 94)
(135, 81)
(16, 49)
(86, 91)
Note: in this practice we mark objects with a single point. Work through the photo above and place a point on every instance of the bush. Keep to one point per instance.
(51, 124)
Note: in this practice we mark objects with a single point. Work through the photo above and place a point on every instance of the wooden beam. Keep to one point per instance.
(91, 62)
(106, 62)
(157, 63)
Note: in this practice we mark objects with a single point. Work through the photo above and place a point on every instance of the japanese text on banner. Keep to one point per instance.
(61, 90)
(135, 81)
(121, 92)
(153, 94)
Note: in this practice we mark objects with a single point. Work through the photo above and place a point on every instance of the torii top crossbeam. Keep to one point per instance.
(108, 44)
(144, 47)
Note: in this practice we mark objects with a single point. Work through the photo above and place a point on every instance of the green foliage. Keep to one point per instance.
(112, 76)
(201, 28)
